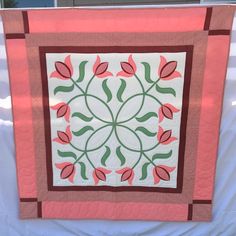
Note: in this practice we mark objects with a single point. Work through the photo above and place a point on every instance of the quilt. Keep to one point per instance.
(117, 111)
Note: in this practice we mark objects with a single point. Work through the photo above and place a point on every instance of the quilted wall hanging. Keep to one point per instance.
(117, 111)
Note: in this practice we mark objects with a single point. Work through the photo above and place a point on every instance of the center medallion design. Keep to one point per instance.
(115, 118)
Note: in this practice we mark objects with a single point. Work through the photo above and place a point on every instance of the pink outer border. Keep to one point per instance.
(210, 115)
(22, 110)
(153, 22)
(115, 210)
(123, 20)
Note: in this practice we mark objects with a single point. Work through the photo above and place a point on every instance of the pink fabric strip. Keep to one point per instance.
(21, 101)
(116, 210)
(210, 115)
(121, 20)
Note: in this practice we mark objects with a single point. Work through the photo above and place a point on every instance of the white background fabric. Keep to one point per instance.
(224, 204)
(131, 108)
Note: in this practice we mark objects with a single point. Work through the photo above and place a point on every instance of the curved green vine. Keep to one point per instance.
(114, 122)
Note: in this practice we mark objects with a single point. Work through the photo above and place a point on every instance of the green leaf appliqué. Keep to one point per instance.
(144, 171)
(165, 90)
(83, 170)
(120, 156)
(106, 90)
(105, 155)
(81, 71)
(147, 69)
(82, 131)
(64, 89)
(146, 116)
(145, 131)
(121, 90)
(161, 155)
(66, 154)
(82, 116)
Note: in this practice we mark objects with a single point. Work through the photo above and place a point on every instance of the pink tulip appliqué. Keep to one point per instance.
(164, 137)
(162, 172)
(64, 70)
(63, 137)
(67, 170)
(99, 174)
(100, 68)
(128, 68)
(167, 70)
(127, 174)
(63, 110)
(167, 110)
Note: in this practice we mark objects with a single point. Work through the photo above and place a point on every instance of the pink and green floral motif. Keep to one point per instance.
(75, 85)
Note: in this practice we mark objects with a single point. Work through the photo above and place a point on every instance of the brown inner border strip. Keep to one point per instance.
(190, 211)
(202, 201)
(39, 208)
(219, 32)
(117, 49)
(28, 199)
(25, 21)
(15, 36)
(208, 18)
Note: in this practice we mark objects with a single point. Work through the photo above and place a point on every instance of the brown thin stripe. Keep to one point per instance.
(40, 209)
(121, 49)
(190, 211)
(184, 115)
(219, 32)
(208, 18)
(15, 36)
(25, 21)
(202, 201)
(28, 199)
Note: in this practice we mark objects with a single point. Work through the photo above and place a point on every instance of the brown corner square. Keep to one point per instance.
(28, 210)
(201, 212)
(13, 22)
(219, 13)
